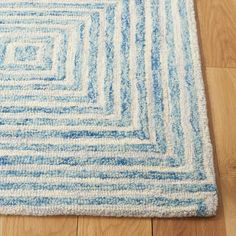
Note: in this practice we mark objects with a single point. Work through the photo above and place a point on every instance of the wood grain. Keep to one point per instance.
(222, 96)
(229, 196)
(101, 226)
(38, 226)
(214, 226)
(217, 22)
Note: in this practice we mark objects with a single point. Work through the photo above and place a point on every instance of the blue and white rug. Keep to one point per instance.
(103, 110)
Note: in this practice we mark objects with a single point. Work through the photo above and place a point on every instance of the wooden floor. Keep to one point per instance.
(217, 25)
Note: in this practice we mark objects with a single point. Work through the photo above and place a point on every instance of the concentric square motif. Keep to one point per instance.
(103, 110)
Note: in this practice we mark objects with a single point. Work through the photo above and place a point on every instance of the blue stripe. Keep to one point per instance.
(124, 52)
(140, 71)
(177, 130)
(156, 78)
(89, 160)
(72, 134)
(84, 173)
(43, 201)
(109, 50)
(193, 188)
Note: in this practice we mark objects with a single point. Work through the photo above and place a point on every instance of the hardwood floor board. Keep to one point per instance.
(218, 31)
(213, 226)
(103, 226)
(222, 96)
(229, 196)
(38, 226)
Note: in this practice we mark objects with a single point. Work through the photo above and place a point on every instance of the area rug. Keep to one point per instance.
(103, 110)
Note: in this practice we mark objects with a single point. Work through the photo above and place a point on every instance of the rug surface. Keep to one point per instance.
(103, 110)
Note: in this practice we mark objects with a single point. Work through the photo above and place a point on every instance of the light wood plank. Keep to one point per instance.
(101, 226)
(190, 227)
(229, 199)
(38, 226)
(222, 96)
(218, 31)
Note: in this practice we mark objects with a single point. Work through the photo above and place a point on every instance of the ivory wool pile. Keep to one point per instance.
(103, 110)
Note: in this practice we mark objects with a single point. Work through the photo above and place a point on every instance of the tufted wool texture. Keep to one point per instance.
(103, 110)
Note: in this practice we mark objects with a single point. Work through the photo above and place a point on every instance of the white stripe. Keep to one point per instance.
(201, 94)
(74, 141)
(184, 103)
(118, 181)
(92, 168)
(108, 210)
(86, 194)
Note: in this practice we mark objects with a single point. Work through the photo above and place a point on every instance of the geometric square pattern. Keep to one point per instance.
(103, 110)
(25, 52)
